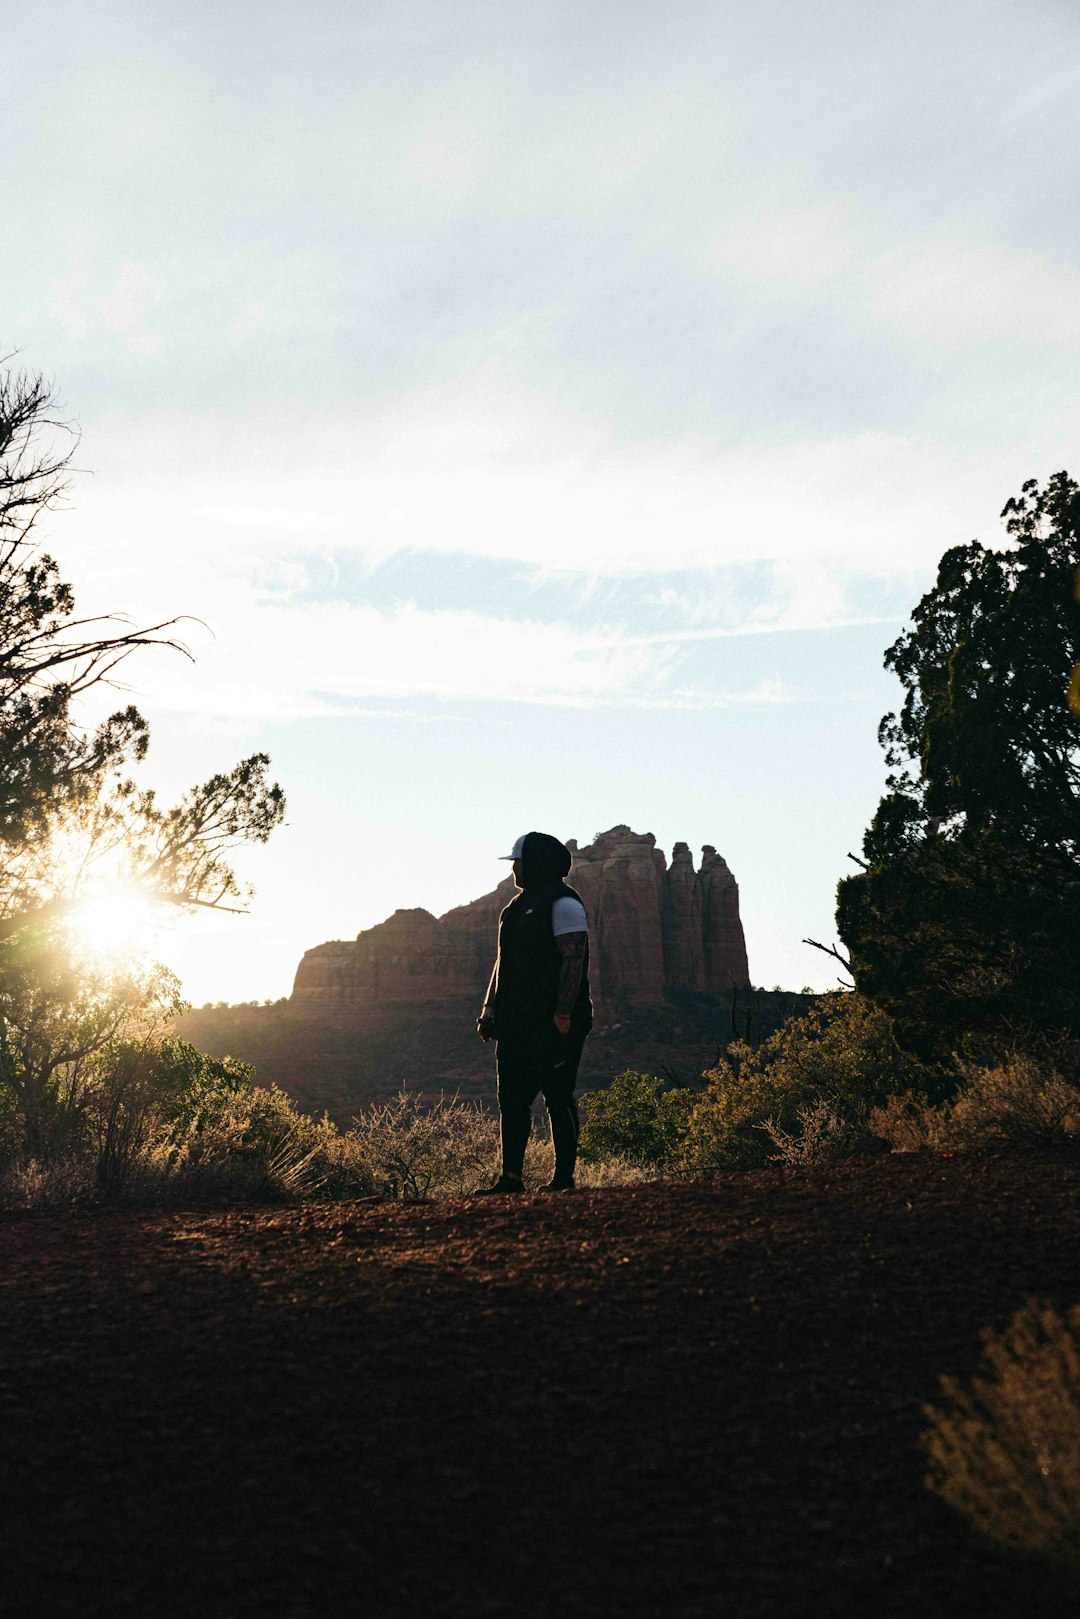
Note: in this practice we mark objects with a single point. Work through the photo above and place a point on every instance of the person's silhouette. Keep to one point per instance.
(538, 1009)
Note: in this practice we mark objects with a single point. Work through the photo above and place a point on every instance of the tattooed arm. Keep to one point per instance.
(485, 1023)
(571, 947)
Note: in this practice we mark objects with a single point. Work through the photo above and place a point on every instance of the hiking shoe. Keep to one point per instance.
(504, 1185)
(558, 1186)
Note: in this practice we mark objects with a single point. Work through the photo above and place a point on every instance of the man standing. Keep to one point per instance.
(537, 1008)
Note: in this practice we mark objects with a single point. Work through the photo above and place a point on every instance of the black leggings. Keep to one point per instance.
(529, 1067)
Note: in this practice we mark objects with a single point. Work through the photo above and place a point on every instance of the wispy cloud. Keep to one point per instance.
(282, 662)
(296, 634)
(294, 662)
(449, 478)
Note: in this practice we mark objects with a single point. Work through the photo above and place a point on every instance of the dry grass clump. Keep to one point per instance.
(1005, 1451)
(415, 1148)
(613, 1171)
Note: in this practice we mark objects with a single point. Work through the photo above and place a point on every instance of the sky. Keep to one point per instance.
(547, 413)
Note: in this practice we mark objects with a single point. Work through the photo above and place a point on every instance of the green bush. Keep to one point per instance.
(803, 1095)
(842, 1053)
(636, 1120)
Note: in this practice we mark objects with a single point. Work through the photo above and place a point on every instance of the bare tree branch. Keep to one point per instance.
(831, 950)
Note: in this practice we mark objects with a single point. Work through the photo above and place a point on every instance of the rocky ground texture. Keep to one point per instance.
(679, 1399)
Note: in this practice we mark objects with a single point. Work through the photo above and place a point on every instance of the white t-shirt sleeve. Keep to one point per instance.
(568, 916)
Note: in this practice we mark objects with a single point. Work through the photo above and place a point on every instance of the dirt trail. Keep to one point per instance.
(683, 1400)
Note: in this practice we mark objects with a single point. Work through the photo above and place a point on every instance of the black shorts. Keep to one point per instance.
(540, 1064)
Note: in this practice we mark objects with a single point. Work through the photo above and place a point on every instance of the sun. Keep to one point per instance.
(113, 924)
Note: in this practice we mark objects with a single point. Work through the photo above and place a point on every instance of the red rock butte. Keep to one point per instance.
(656, 930)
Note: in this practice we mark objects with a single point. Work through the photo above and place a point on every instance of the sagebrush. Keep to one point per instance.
(1025, 1100)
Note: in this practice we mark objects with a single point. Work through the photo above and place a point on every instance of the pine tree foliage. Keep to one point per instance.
(68, 810)
(966, 923)
(73, 820)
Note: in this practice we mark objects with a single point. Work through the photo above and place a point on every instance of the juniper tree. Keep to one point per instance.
(965, 924)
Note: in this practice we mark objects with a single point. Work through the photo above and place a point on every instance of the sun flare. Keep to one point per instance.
(113, 924)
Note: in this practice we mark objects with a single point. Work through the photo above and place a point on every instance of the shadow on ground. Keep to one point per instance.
(676, 1399)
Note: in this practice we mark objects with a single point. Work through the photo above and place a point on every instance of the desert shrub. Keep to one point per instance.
(167, 1125)
(113, 1101)
(842, 1053)
(1005, 1451)
(822, 1135)
(120, 1108)
(417, 1149)
(149, 1108)
(634, 1120)
(137, 1094)
(911, 1123)
(59, 1022)
(1023, 1100)
(54, 1184)
(254, 1143)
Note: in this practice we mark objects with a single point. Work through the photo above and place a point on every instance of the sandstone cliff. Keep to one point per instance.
(655, 931)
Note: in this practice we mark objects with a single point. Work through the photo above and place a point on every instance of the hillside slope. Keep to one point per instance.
(434, 1048)
(681, 1399)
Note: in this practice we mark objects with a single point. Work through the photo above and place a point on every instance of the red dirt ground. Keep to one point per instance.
(690, 1400)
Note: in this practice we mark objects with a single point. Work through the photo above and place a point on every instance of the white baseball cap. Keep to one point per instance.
(515, 853)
